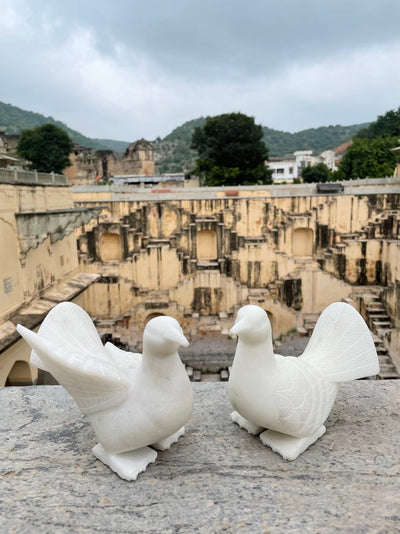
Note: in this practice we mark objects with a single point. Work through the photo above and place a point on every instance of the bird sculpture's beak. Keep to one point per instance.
(238, 327)
(177, 337)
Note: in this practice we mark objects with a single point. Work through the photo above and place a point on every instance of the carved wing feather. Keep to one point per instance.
(94, 384)
(122, 358)
(303, 396)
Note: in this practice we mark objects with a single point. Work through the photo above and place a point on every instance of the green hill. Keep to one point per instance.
(13, 120)
(315, 139)
(173, 153)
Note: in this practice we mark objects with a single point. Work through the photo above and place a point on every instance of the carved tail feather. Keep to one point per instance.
(341, 347)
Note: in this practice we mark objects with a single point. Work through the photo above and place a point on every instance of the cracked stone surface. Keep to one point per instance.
(217, 478)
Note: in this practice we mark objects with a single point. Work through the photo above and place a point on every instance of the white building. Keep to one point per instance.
(283, 169)
(330, 159)
(289, 167)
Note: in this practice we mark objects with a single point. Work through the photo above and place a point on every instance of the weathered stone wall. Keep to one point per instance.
(86, 165)
(205, 253)
(38, 254)
(31, 260)
(83, 168)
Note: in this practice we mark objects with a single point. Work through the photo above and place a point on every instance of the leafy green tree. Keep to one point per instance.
(369, 158)
(316, 173)
(385, 125)
(47, 147)
(231, 151)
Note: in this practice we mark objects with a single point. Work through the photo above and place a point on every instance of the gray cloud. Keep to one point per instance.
(130, 69)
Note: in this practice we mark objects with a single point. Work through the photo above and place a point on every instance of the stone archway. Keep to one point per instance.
(152, 316)
(207, 245)
(303, 239)
(110, 247)
(20, 375)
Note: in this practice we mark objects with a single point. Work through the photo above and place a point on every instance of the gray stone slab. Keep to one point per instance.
(217, 478)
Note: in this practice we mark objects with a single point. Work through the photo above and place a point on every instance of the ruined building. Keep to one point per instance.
(88, 165)
(8, 143)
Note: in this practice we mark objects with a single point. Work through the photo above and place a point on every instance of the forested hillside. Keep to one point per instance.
(13, 120)
(315, 139)
(173, 153)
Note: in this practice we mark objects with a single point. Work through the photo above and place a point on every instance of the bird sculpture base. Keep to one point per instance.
(166, 443)
(129, 464)
(246, 424)
(289, 447)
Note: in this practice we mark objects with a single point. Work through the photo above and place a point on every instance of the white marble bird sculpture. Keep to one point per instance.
(133, 401)
(289, 396)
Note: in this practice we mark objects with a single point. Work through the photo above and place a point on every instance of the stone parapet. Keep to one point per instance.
(118, 193)
(17, 177)
(216, 479)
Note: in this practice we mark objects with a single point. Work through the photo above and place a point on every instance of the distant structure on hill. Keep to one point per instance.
(8, 144)
(8, 150)
(101, 165)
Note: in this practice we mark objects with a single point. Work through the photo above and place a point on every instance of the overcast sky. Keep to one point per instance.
(125, 69)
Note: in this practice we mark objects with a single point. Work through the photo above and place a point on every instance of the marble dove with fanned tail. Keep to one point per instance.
(136, 403)
(287, 399)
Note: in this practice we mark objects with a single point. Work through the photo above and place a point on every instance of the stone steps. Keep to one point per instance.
(195, 375)
(381, 326)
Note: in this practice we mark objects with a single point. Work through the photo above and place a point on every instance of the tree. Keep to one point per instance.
(316, 173)
(231, 151)
(369, 158)
(47, 147)
(385, 125)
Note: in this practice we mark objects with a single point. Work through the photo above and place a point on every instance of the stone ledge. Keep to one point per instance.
(33, 313)
(217, 479)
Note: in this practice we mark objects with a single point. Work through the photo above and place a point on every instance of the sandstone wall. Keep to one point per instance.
(31, 258)
(206, 254)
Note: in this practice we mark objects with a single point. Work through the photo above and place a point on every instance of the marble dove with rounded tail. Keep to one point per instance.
(133, 401)
(289, 396)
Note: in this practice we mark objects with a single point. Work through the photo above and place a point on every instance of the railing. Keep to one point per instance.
(14, 176)
(351, 187)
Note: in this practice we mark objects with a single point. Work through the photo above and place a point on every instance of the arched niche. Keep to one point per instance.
(207, 245)
(20, 375)
(152, 316)
(110, 247)
(303, 239)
